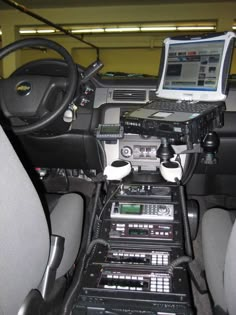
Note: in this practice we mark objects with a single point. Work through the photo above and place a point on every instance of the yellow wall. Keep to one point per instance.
(133, 60)
(129, 60)
(117, 51)
(233, 65)
(27, 55)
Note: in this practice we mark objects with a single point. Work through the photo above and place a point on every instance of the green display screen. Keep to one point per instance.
(130, 209)
(110, 129)
(138, 232)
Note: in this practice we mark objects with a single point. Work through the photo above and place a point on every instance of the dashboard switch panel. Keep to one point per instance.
(147, 152)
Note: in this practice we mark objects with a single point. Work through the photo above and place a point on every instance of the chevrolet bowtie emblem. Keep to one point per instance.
(23, 88)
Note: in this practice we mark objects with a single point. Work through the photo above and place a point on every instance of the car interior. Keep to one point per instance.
(117, 148)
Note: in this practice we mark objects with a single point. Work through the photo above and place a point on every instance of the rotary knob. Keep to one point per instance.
(126, 152)
(163, 210)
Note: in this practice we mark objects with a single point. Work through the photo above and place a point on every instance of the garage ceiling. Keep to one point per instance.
(33, 4)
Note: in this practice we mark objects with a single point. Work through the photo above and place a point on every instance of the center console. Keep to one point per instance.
(142, 225)
(143, 233)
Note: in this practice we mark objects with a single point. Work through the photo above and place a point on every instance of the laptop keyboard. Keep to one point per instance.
(175, 106)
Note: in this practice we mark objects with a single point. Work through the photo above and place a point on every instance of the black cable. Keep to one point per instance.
(99, 157)
(98, 189)
(95, 242)
(71, 294)
(187, 234)
(100, 147)
(195, 161)
(177, 262)
(97, 227)
(99, 179)
(190, 168)
(108, 200)
(187, 167)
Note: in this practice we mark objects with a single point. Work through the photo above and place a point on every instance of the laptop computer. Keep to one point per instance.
(192, 78)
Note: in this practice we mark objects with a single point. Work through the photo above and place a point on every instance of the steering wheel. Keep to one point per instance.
(30, 97)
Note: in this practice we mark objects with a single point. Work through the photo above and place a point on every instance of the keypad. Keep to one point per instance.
(157, 209)
(160, 284)
(161, 259)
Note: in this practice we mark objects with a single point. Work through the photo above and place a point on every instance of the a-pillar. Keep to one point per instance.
(9, 35)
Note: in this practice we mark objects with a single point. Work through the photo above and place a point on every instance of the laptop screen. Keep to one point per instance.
(195, 68)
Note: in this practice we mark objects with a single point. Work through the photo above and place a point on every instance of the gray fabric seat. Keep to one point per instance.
(24, 231)
(66, 221)
(219, 253)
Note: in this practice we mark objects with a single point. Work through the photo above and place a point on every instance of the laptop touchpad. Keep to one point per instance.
(161, 114)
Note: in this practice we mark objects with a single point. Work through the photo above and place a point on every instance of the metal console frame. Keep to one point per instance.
(99, 296)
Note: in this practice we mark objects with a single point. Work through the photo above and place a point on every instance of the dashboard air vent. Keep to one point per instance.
(152, 95)
(129, 95)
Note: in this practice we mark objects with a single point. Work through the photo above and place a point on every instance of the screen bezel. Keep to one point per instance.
(197, 95)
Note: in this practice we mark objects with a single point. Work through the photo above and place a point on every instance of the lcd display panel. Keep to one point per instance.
(130, 208)
(109, 129)
(138, 232)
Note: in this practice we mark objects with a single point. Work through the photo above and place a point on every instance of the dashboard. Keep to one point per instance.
(102, 101)
(125, 95)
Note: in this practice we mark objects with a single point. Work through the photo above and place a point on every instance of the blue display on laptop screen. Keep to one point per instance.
(194, 66)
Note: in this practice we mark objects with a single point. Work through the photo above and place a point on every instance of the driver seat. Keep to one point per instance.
(32, 260)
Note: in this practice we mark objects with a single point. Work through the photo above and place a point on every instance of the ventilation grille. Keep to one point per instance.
(129, 95)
